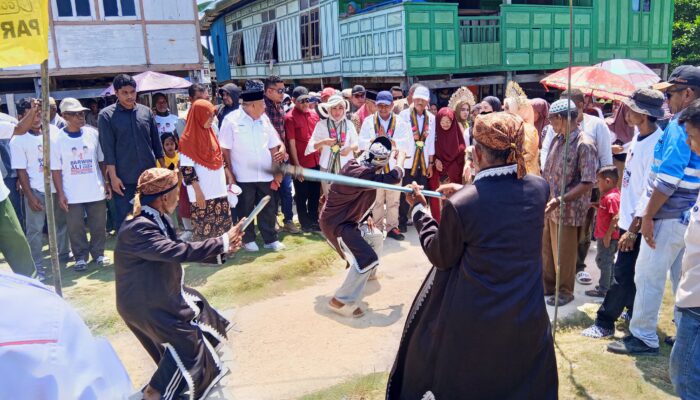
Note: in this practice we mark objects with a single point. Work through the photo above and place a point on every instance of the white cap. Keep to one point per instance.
(422, 92)
(70, 104)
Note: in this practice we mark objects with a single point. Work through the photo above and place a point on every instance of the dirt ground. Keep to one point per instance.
(290, 345)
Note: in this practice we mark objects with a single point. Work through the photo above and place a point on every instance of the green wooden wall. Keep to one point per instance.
(625, 33)
(537, 37)
(432, 46)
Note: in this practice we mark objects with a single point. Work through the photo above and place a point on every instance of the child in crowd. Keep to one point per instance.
(172, 157)
(606, 232)
(172, 162)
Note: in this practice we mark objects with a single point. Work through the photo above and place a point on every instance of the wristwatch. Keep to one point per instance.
(632, 235)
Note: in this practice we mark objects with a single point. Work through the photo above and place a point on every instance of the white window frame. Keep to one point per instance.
(56, 17)
(137, 8)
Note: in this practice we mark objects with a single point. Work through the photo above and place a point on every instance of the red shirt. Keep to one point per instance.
(299, 126)
(608, 208)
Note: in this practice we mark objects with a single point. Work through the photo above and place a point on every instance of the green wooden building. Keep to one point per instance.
(440, 43)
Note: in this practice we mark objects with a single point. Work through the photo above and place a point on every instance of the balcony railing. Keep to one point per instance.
(480, 41)
(480, 29)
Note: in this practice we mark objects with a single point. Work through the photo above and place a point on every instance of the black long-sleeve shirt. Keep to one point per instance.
(129, 140)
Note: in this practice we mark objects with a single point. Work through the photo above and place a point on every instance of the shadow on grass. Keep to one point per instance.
(654, 369)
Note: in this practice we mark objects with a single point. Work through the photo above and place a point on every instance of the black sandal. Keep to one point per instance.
(563, 300)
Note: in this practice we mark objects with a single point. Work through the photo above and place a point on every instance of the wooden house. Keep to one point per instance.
(93, 40)
(441, 43)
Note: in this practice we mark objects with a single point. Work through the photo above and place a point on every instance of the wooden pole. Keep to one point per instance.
(48, 196)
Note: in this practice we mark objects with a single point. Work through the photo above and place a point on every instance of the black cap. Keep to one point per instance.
(371, 95)
(300, 93)
(252, 95)
(683, 75)
(358, 89)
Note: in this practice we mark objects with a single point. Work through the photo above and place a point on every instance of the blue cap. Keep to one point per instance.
(385, 97)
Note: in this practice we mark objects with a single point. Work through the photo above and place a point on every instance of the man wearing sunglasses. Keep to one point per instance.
(80, 186)
(671, 191)
(274, 95)
(299, 125)
(358, 98)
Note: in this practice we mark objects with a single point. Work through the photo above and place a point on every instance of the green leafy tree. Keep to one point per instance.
(686, 33)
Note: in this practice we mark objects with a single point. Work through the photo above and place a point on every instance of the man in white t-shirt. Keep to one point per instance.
(27, 153)
(78, 173)
(250, 145)
(645, 107)
(166, 122)
(385, 123)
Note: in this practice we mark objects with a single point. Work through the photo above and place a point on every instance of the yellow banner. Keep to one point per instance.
(24, 32)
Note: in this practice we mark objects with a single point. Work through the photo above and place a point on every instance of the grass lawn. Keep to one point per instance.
(243, 279)
(586, 369)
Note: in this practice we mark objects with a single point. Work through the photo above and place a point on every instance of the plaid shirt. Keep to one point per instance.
(276, 115)
(581, 167)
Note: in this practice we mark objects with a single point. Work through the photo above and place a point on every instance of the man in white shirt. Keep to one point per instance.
(48, 352)
(13, 243)
(78, 173)
(28, 159)
(54, 118)
(250, 145)
(421, 146)
(645, 107)
(385, 123)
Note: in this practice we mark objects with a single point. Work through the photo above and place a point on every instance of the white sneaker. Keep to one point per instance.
(275, 246)
(251, 247)
(103, 261)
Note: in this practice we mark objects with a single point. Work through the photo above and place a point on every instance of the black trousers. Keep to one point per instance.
(420, 179)
(306, 196)
(622, 290)
(251, 194)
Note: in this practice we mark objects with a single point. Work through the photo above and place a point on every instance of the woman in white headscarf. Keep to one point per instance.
(334, 136)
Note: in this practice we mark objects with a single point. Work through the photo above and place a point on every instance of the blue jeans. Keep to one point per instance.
(285, 194)
(684, 366)
(652, 268)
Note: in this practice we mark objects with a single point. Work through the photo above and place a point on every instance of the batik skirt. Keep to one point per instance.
(211, 221)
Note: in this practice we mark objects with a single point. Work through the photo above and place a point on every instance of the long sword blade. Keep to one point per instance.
(320, 176)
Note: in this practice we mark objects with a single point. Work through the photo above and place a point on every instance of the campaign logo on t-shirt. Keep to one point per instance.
(81, 163)
(40, 157)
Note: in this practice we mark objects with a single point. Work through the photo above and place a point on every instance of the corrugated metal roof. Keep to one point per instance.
(221, 7)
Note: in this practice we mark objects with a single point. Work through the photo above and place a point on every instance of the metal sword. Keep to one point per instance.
(320, 176)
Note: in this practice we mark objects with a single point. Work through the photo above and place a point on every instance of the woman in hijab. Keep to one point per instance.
(621, 135)
(490, 104)
(335, 136)
(541, 109)
(204, 173)
(449, 154)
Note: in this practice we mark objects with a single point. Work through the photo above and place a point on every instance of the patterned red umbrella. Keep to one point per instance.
(634, 71)
(593, 81)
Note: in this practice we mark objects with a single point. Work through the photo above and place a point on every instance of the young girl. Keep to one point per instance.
(170, 148)
(172, 162)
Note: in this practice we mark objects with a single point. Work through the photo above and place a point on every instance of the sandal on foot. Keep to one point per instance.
(595, 293)
(347, 310)
(584, 278)
(563, 300)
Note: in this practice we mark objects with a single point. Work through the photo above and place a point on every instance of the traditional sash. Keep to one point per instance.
(334, 161)
(419, 138)
(379, 131)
